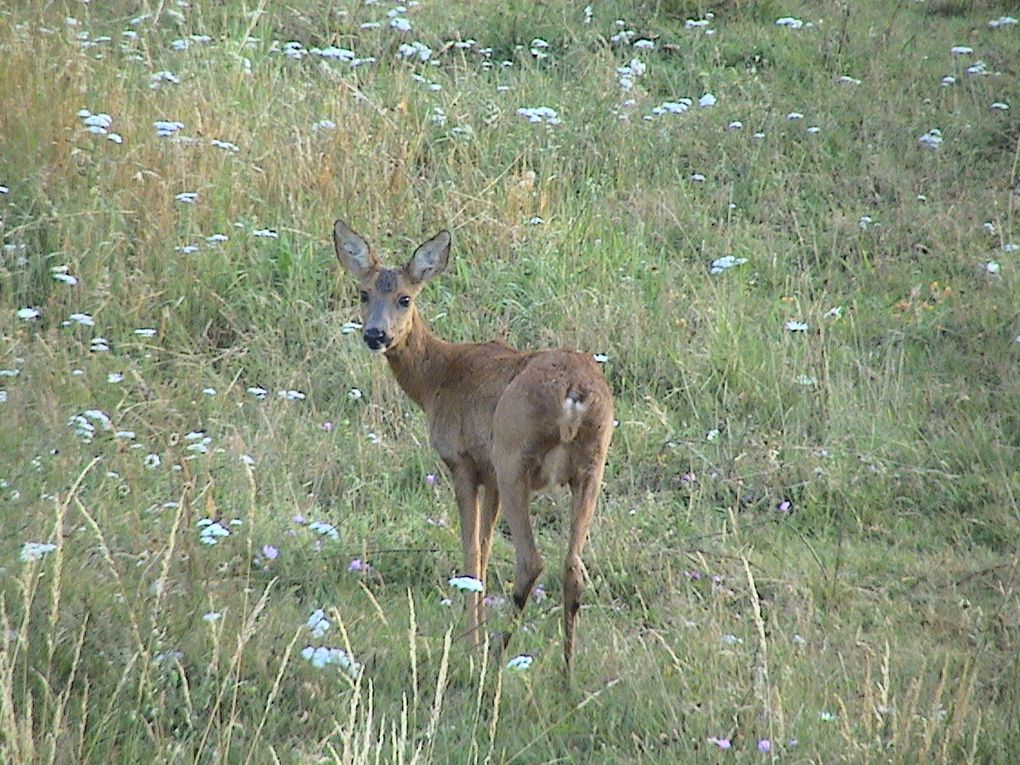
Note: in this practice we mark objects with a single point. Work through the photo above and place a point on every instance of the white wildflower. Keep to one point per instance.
(334, 53)
(932, 139)
(415, 50)
(32, 551)
(163, 76)
(725, 263)
(166, 128)
(790, 22)
(520, 663)
(466, 583)
(539, 114)
(318, 623)
(1002, 21)
(672, 107)
(233, 148)
(322, 656)
(324, 529)
(211, 532)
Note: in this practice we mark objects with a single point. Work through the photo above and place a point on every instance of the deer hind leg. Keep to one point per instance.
(465, 489)
(584, 495)
(515, 499)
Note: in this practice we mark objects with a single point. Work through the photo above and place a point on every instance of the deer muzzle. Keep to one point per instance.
(376, 339)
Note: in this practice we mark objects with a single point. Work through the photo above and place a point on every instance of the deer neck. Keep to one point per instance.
(419, 362)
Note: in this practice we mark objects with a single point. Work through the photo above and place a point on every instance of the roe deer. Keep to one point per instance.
(507, 421)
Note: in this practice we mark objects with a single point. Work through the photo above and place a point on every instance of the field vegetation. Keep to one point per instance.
(790, 232)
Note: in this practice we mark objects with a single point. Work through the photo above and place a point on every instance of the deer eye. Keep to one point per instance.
(364, 296)
(404, 301)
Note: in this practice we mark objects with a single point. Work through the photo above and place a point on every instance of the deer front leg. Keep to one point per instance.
(466, 491)
(487, 525)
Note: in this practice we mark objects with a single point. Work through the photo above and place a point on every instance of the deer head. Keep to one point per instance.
(387, 294)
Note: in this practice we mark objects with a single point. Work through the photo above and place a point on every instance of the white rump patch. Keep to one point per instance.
(571, 406)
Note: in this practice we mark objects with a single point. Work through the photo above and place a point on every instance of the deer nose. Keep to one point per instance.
(376, 338)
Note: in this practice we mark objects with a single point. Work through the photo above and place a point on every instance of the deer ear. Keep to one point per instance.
(352, 251)
(430, 258)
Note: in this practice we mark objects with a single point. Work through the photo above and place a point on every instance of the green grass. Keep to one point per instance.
(874, 618)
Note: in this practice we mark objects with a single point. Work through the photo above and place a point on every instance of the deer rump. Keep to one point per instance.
(519, 409)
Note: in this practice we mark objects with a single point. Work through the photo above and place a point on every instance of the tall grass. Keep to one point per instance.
(806, 547)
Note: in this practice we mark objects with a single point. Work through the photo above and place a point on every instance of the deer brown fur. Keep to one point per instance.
(506, 423)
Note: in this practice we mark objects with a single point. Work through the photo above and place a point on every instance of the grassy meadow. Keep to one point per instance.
(795, 246)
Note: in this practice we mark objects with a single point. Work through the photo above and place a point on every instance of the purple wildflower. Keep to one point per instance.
(722, 743)
(764, 746)
(270, 552)
(430, 479)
